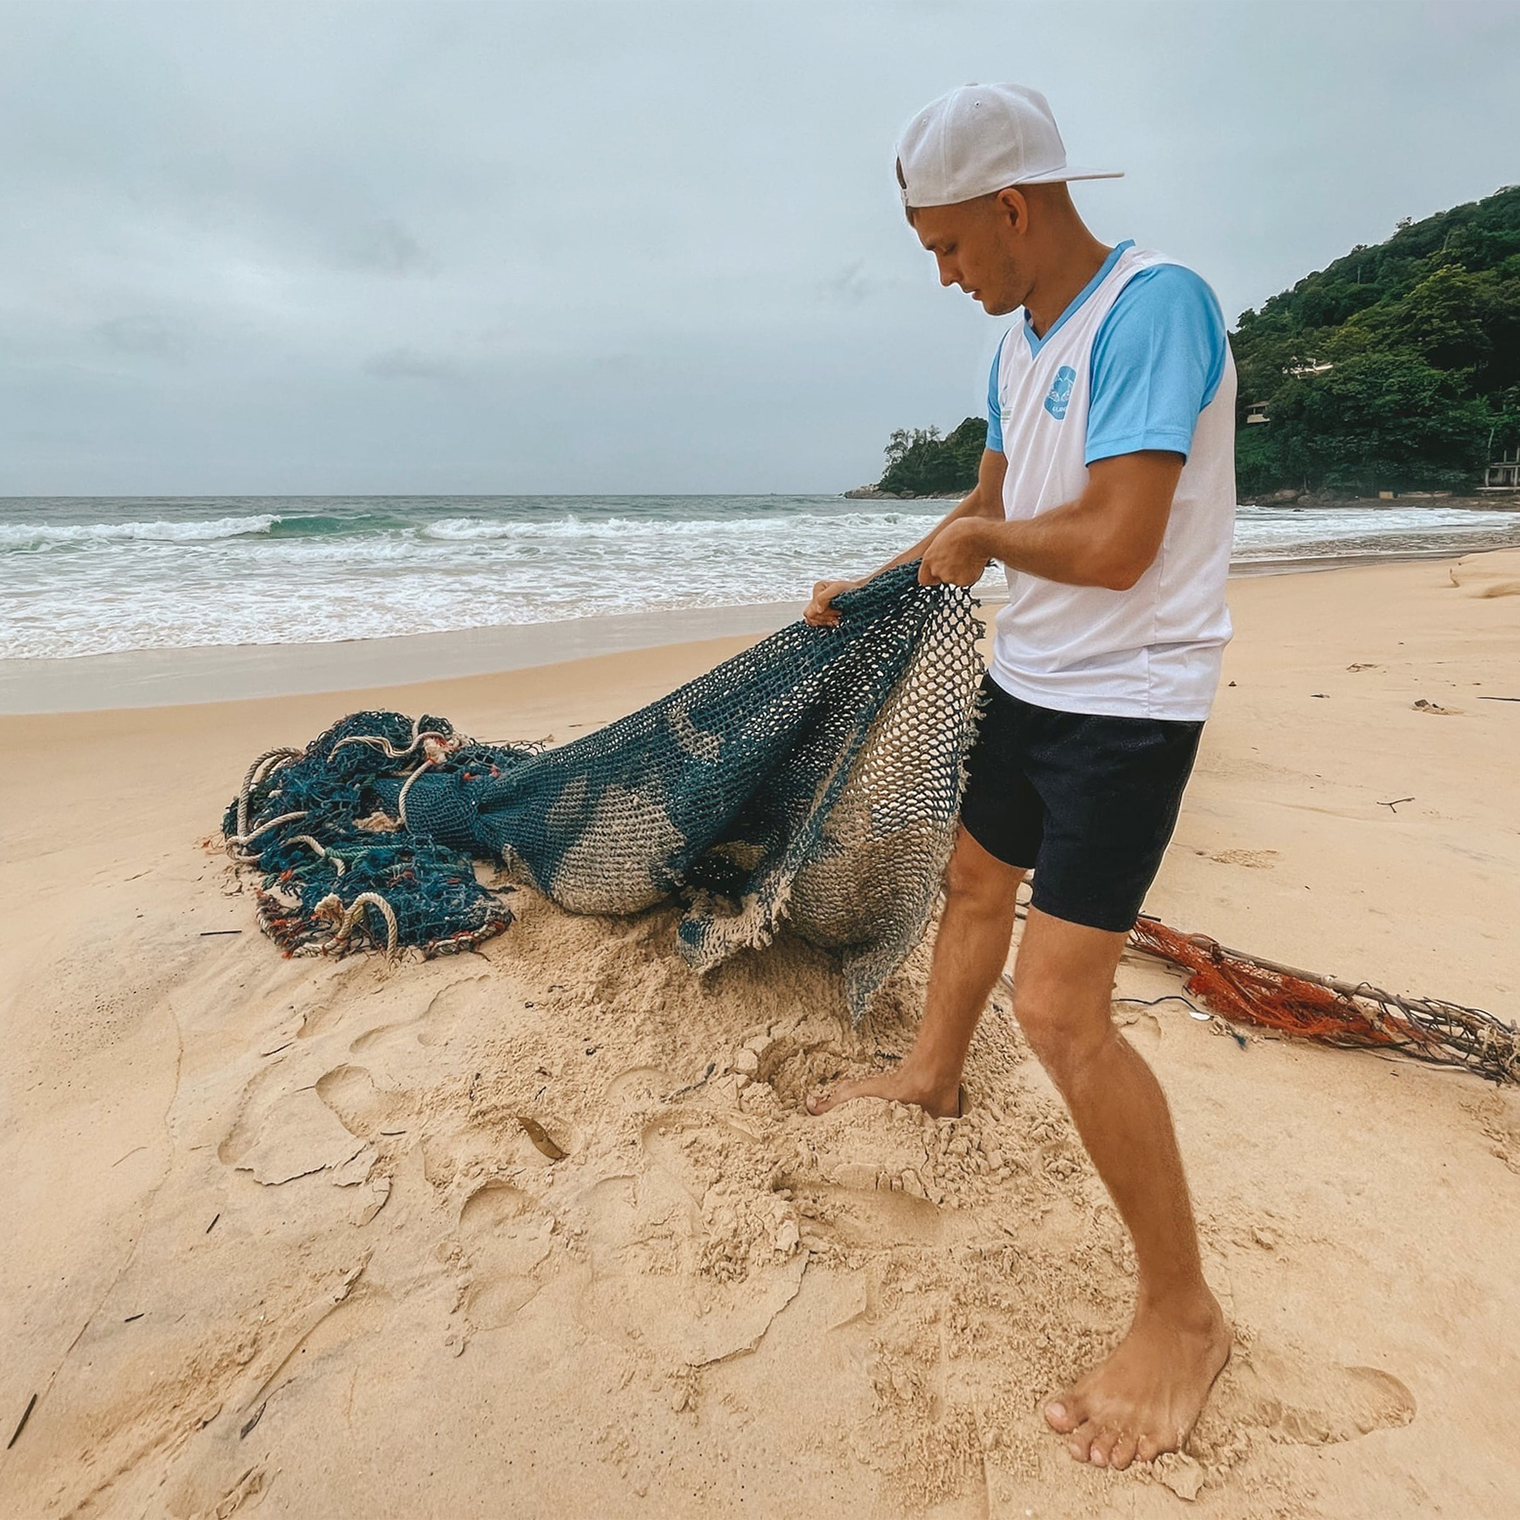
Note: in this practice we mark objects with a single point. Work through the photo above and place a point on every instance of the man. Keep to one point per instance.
(1107, 490)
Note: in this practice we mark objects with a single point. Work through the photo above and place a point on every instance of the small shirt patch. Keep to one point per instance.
(1060, 392)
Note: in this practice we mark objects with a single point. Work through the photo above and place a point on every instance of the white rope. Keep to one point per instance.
(326, 854)
(406, 786)
(245, 839)
(332, 907)
(256, 773)
(389, 750)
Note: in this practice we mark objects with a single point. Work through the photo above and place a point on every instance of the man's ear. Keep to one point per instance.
(1013, 205)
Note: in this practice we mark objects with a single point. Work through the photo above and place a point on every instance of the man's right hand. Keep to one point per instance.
(821, 612)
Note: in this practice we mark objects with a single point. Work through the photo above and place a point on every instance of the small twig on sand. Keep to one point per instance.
(26, 1414)
(681, 1092)
(1499, 699)
(1393, 806)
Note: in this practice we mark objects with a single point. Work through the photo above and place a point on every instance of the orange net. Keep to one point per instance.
(1248, 990)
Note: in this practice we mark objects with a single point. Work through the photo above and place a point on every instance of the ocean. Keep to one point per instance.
(97, 575)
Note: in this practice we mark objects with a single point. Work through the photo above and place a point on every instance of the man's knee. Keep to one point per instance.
(1063, 1037)
(980, 881)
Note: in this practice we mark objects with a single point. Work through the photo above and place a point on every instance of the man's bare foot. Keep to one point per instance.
(1147, 1396)
(942, 1099)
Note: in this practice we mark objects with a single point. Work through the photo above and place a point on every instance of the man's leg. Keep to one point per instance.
(1146, 1397)
(970, 950)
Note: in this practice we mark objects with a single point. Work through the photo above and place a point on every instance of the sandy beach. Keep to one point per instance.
(279, 1243)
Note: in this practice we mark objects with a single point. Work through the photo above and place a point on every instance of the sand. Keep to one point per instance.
(279, 1241)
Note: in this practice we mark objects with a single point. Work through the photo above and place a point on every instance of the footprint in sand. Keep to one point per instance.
(280, 1136)
(1314, 1404)
(429, 1027)
(647, 1288)
(260, 1094)
(668, 1142)
(874, 1183)
(865, 1209)
(640, 1083)
(362, 1108)
(506, 1236)
(384, 1036)
(300, 1136)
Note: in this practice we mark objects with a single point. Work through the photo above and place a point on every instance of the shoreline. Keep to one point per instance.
(202, 674)
(1481, 498)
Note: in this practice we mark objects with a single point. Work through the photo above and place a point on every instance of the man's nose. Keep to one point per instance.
(948, 273)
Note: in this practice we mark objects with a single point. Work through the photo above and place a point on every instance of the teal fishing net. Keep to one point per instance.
(813, 779)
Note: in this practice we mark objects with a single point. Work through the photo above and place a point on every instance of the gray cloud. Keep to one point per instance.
(409, 364)
(144, 333)
(388, 247)
(648, 247)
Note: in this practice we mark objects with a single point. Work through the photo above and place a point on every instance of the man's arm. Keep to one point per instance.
(1109, 536)
(984, 504)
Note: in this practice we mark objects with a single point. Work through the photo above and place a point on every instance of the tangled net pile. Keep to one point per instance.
(813, 778)
(1248, 990)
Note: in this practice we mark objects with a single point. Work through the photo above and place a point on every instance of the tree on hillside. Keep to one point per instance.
(921, 463)
(1396, 367)
(1374, 418)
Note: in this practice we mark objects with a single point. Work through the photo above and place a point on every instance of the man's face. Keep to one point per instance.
(976, 245)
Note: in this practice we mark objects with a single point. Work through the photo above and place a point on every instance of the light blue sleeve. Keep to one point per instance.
(1157, 362)
(994, 410)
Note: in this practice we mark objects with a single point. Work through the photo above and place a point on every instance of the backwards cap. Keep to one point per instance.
(980, 139)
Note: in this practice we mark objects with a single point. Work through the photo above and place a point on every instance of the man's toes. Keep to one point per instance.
(826, 1098)
(1147, 1448)
(1123, 1453)
(1064, 1414)
(1080, 1442)
(1100, 1452)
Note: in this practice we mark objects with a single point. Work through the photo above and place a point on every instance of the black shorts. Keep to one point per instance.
(1088, 802)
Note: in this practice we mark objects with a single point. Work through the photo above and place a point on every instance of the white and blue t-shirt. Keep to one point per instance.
(1157, 361)
(1139, 360)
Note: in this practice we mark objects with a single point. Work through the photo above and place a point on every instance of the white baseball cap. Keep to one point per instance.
(979, 139)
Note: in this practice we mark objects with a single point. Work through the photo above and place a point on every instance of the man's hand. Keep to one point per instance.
(821, 612)
(957, 556)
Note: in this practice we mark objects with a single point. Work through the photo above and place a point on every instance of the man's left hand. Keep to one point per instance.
(957, 556)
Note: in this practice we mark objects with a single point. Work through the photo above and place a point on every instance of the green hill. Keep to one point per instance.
(921, 463)
(1397, 367)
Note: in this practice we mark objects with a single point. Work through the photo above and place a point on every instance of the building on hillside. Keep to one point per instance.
(1504, 473)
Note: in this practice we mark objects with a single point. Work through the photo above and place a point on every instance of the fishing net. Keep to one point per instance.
(1248, 990)
(814, 779)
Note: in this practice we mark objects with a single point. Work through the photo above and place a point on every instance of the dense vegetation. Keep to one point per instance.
(1395, 368)
(921, 463)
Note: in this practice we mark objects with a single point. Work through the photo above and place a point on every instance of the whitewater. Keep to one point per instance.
(81, 576)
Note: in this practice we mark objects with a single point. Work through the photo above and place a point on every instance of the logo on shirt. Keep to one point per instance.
(1060, 392)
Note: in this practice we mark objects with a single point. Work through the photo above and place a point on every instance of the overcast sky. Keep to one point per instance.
(629, 247)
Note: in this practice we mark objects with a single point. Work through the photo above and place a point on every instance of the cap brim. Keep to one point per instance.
(1058, 176)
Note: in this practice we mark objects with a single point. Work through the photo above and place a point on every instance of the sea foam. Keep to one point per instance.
(86, 576)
